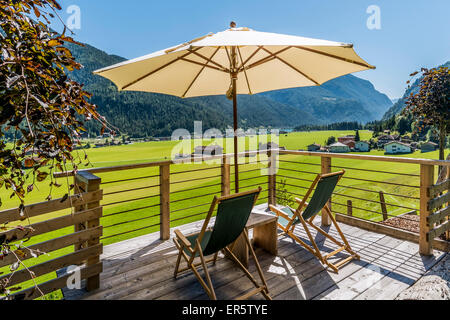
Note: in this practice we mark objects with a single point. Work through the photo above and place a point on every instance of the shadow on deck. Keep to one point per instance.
(142, 269)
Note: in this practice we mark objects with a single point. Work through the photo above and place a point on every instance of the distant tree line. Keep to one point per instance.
(333, 126)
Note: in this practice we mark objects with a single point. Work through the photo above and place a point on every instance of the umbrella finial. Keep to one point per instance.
(233, 24)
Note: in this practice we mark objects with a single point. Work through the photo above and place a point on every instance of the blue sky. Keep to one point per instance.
(413, 33)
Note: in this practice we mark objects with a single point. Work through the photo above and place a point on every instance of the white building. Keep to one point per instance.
(396, 147)
(339, 148)
(362, 146)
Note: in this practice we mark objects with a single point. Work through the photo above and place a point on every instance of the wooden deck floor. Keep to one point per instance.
(142, 268)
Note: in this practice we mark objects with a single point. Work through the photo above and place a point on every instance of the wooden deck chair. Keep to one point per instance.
(233, 213)
(324, 186)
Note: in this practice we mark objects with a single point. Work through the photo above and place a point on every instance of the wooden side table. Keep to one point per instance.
(265, 235)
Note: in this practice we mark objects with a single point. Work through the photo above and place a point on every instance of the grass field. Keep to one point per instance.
(117, 225)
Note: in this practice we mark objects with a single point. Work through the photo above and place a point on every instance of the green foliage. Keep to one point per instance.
(39, 105)
(346, 125)
(330, 140)
(430, 105)
(284, 197)
(357, 136)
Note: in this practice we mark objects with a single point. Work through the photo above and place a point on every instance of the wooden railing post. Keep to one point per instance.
(349, 208)
(383, 206)
(426, 181)
(89, 182)
(272, 178)
(226, 173)
(164, 187)
(326, 168)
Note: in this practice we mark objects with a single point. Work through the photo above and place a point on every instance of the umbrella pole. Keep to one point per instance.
(235, 116)
(236, 149)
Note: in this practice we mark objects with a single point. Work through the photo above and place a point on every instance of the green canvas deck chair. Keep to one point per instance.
(232, 216)
(324, 186)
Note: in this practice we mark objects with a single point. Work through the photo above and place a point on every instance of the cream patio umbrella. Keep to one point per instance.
(233, 62)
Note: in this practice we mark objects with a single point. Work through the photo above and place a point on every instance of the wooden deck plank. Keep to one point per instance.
(142, 268)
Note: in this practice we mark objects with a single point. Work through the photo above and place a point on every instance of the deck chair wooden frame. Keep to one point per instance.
(298, 214)
(189, 251)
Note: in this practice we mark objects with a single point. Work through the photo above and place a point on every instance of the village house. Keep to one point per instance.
(351, 144)
(269, 146)
(314, 147)
(338, 148)
(362, 146)
(384, 139)
(395, 147)
(208, 150)
(346, 139)
(428, 146)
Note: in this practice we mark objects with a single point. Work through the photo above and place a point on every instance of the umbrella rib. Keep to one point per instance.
(242, 67)
(245, 72)
(158, 69)
(203, 65)
(335, 57)
(213, 62)
(266, 59)
(291, 66)
(198, 74)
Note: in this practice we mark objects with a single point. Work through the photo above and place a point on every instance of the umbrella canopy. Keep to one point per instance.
(236, 61)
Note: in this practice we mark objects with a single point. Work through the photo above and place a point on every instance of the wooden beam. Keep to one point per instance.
(54, 244)
(438, 202)
(438, 216)
(93, 184)
(37, 209)
(58, 283)
(383, 206)
(52, 265)
(164, 181)
(199, 73)
(292, 67)
(335, 57)
(439, 188)
(436, 232)
(326, 169)
(272, 178)
(426, 180)
(159, 69)
(389, 231)
(52, 225)
(349, 208)
(226, 175)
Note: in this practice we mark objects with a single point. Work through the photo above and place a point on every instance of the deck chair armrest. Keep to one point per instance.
(183, 239)
(300, 202)
(279, 213)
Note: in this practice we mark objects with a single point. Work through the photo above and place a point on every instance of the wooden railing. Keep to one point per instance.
(48, 244)
(123, 202)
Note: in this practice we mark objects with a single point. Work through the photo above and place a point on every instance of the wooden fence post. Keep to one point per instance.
(272, 178)
(225, 181)
(383, 206)
(426, 181)
(349, 208)
(164, 187)
(326, 168)
(90, 183)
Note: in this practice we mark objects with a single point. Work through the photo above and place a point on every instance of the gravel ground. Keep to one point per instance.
(406, 222)
(434, 285)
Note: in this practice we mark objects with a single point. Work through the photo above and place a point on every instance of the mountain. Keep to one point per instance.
(347, 98)
(400, 104)
(140, 114)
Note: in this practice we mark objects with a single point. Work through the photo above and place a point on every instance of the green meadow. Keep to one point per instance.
(124, 219)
